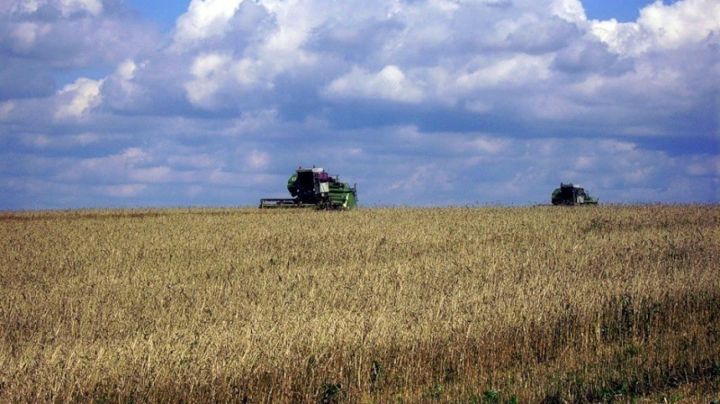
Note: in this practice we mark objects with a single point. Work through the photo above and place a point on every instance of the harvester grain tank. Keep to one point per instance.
(314, 187)
(569, 194)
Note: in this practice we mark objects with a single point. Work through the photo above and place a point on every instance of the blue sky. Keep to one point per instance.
(125, 103)
(621, 10)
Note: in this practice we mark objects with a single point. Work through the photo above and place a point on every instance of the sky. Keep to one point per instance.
(129, 103)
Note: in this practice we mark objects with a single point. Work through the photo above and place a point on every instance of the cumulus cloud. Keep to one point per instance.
(48, 141)
(276, 47)
(71, 33)
(515, 70)
(78, 98)
(570, 10)
(205, 19)
(26, 33)
(453, 101)
(94, 7)
(390, 83)
(126, 70)
(210, 74)
(661, 26)
(66, 7)
(488, 145)
(437, 51)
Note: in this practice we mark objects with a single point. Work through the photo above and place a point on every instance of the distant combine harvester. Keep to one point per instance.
(315, 188)
(569, 194)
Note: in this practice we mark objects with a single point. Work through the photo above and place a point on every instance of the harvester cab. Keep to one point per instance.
(314, 187)
(569, 194)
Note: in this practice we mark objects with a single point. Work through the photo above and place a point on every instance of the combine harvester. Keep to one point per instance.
(569, 194)
(315, 188)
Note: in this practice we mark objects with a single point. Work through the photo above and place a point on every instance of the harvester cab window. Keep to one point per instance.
(305, 180)
(568, 193)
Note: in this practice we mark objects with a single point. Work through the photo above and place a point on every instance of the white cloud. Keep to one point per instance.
(661, 26)
(66, 7)
(516, 70)
(26, 34)
(295, 21)
(275, 52)
(704, 167)
(278, 50)
(204, 19)
(676, 24)
(390, 83)
(53, 38)
(251, 122)
(617, 146)
(78, 98)
(124, 76)
(445, 6)
(19, 6)
(487, 145)
(247, 72)
(114, 167)
(210, 74)
(156, 174)
(126, 69)
(47, 141)
(209, 65)
(570, 10)
(423, 35)
(94, 7)
(584, 162)
(478, 86)
(215, 74)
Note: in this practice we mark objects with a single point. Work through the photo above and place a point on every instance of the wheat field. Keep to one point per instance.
(478, 304)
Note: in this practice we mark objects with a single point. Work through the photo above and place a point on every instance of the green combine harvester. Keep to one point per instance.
(569, 194)
(314, 188)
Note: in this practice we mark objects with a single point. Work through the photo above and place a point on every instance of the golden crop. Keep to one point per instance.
(372, 305)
